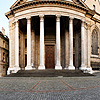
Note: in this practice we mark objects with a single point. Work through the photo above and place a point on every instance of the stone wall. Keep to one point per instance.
(4, 55)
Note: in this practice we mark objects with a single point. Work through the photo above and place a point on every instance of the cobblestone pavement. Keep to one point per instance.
(50, 88)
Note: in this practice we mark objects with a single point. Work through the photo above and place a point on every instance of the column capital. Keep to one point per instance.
(58, 18)
(58, 15)
(16, 20)
(71, 17)
(28, 17)
(41, 17)
(83, 20)
(82, 23)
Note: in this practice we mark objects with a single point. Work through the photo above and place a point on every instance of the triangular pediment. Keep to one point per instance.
(20, 2)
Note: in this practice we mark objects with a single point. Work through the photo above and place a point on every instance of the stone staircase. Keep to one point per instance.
(49, 73)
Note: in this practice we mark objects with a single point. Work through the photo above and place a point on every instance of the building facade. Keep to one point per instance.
(4, 54)
(54, 34)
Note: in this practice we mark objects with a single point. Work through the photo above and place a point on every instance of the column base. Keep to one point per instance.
(41, 67)
(66, 67)
(88, 70)
(28, 67)
(83, 68)
(58, 67)
(15, 69)
(22, 68)
(70, 67)
(10, 70)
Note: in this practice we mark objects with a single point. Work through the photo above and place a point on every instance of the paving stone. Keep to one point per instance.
(50, 88)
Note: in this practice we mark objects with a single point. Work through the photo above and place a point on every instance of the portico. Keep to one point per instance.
(49, 36)
(58, 50)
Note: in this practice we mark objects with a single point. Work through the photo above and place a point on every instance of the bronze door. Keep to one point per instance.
(49, 57)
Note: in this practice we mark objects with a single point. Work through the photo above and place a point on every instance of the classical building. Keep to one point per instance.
(4, 54)
(54, 34)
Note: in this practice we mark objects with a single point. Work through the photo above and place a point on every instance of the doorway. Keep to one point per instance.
(49, 56)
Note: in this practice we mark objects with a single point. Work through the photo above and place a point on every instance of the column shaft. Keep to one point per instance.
(71, 67)
(28, 67)
(89, 50)
(33, 48)
(16, 68)
(41, 66)
(58, 63)
(83, 67)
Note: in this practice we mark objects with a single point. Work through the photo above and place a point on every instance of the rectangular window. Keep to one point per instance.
(3, 57)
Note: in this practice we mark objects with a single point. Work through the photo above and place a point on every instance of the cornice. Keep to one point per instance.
(95, 19)
(10, 13)
(44, 2)
(91, 12)
(57, 2)
(30, 4)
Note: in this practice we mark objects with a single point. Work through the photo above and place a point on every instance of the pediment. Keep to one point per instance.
(20, 2)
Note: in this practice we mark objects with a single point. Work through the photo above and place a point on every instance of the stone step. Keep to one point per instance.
(49, 73)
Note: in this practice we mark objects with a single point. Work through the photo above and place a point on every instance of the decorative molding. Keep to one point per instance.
(58, 18)
(28, 17)
(41, 17)
(32, 4)
(71, 17)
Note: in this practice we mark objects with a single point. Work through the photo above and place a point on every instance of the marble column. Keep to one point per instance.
(58, 62)
(66, 49)
(33, 48)
(41, 66)
(71, 67)
(28, 67)
(16, 67)
(83, 67)
(89, 68)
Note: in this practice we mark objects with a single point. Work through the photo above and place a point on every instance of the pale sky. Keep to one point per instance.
(5, 7)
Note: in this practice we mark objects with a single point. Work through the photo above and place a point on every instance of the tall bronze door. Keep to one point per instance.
(49, 56)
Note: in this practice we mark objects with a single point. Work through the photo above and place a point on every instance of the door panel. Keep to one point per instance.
(49, 56)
